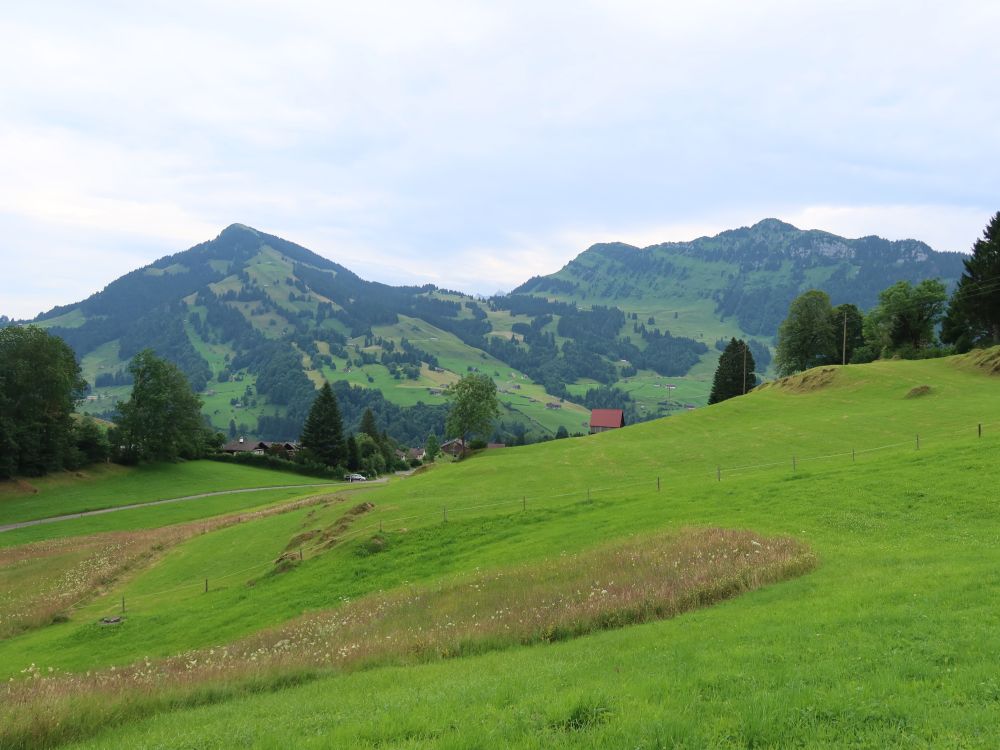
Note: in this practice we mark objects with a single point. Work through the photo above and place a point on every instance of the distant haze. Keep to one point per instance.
(473, 145)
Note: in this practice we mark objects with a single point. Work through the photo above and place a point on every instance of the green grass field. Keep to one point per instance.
(111, 486)
(889, 642)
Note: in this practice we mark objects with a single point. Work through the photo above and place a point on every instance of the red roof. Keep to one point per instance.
(607, 418)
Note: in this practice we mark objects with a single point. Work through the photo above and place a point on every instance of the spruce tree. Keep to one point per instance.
(353, 457)
(974, 313)
(735, 373)
(369, 427)
(323, 433)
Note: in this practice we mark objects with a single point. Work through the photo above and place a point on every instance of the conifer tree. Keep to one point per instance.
(369, 426)
(323, 433)
(974, 312)
(353, 456)
(735, 374)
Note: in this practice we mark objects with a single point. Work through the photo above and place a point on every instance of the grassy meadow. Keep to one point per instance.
(109, 486)
(877, 473)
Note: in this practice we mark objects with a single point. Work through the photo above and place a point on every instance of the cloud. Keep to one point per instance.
(474, 144)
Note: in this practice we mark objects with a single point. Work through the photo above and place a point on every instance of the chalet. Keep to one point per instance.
(494, 446)
(259, 447)
(606, 419)
(454, 447)
(242, 445)
(415, 454)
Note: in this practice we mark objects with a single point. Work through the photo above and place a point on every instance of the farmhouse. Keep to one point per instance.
(453, 447)
(242, 445)
(606, 419)
(258, 447)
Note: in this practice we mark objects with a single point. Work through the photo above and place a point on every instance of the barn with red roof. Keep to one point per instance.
(606, 419)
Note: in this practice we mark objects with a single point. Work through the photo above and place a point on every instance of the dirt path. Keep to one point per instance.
(82, 514)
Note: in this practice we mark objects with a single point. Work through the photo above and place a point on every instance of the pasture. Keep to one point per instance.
(886, 639)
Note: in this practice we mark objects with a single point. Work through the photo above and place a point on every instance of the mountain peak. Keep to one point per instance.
(234, 229)
(773, 225)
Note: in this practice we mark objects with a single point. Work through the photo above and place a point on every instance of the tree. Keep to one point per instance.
(92, 441)
(323, 433)
(973, 317)
(369, 427)
(353, 457)
(562, 432)
(431, 448)
(906, 316)
(370, 457)
(735, 374)
(806, 338)
(40, 385)
(162, 419)
(473, 406)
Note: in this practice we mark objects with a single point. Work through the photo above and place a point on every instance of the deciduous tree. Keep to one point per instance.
(40, 385)
(906, 315)
(432, 447)
(806, 338)
(473, 407)
(162, 419)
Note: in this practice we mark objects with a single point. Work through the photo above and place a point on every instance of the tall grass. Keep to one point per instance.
(41, 581)
(645, 579)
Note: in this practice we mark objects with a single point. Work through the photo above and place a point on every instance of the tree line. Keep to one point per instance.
(41, 432)
(910, 320)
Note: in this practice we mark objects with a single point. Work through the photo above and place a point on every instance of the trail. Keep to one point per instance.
(101, 511)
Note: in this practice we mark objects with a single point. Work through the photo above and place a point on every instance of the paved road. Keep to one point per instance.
(53, 519)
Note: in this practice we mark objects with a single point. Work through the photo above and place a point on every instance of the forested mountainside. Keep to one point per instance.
(746, 276)
(258, 323)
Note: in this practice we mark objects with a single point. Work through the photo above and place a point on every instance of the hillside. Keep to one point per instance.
(885, 471)
(257, 323)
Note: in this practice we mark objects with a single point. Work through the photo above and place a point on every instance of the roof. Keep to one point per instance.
(243, 446)
(607, 418)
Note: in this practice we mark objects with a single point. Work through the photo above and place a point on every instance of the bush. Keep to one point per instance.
(305, 468)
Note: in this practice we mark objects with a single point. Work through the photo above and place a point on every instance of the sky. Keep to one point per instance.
(475, 144)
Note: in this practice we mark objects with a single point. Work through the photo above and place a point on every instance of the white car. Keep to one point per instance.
(355, 478)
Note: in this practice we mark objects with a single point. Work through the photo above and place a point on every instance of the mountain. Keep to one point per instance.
(747, 276)
(257, 323)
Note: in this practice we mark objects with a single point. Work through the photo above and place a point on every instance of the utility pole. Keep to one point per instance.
(845, 338)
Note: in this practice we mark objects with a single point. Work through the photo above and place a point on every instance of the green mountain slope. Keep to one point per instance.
(737, 283)
(882, 469)
(742, 278)
(257, 323)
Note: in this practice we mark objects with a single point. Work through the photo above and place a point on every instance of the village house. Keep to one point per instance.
(242, 445)
(453, 447)
(259, 447)
(602, 420)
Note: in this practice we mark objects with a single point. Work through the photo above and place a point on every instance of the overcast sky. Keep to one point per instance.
(473, 145)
